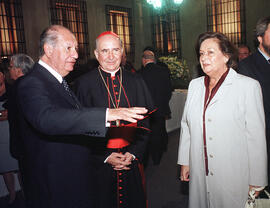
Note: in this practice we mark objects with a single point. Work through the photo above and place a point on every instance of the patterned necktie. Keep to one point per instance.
(66, 87)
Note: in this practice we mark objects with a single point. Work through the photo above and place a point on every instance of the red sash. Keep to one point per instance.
(121, 136)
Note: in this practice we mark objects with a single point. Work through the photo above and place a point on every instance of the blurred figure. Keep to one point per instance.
(125, 64)
(243, 52)
(157, 79)
(4, 68)
(8, 165)
(20, 65)
(257, 66)
(222, 148)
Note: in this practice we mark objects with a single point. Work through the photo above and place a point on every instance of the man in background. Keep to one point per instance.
(243, 52)
(19, 65)
(157, 79)
(257, 66)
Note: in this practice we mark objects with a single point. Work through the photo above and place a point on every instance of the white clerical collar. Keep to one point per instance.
(110, 72)
(51, 70)
(264, 55)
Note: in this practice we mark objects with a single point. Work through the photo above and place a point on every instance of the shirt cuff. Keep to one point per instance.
(107, 123)
(134, 157)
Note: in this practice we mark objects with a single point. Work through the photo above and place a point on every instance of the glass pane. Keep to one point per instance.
(225, 16)
(73, 15)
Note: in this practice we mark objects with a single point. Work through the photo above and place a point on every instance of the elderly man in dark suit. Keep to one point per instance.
(157, 79)
(20, 65)
(257, 66)
(57, 163)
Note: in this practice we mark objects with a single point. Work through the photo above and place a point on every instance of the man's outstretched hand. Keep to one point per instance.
(126, 114)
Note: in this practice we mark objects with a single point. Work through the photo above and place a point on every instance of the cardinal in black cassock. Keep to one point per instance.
(125, 187)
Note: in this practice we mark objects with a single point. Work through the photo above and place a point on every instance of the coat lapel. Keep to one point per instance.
(56, 86)
(224, 88)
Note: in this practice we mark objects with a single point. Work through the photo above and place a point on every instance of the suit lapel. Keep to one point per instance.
(262, 71)
(56, 86)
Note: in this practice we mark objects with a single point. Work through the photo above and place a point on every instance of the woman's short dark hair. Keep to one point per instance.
(225, 45)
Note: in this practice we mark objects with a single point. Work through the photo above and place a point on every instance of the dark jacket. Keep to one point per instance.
(57, 171)
(157, 79)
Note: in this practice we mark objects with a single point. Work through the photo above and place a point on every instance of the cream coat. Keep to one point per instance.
(235, 136)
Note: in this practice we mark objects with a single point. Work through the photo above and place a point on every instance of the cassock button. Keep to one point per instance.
(114, 85)
(121, 194)
(116, 93)
(120, 180)
(120, 187)
(120, 202)
(120, 173)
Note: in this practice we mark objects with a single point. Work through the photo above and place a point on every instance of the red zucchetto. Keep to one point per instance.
(108, 33)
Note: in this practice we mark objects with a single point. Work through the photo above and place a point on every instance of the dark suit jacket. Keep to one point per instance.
(13, 120)
(257, 67)
(57, 170)
(157, 79)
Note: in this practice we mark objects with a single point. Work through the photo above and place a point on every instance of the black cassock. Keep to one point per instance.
(117, 188)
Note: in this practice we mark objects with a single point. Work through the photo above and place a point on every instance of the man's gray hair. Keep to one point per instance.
(22, 61)
(262, 26)
(50, 36)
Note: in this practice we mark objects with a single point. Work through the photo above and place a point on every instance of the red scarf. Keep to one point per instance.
(207, 100)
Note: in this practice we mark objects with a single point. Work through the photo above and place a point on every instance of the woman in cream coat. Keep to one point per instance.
(224, 111)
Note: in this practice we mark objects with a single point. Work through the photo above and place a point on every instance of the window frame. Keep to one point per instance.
(219, 20)
(126, 32)
(73, 15)
(171, 33)
(12, 37)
